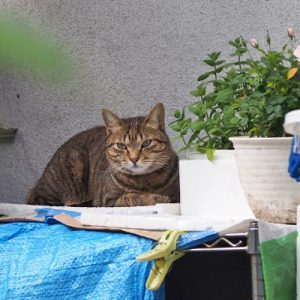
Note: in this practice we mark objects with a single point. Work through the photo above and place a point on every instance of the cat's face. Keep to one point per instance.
(138, 147)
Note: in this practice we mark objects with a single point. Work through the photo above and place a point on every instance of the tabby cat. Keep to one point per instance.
(127, 162)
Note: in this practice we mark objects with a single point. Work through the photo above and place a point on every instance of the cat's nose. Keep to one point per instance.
(134, 159)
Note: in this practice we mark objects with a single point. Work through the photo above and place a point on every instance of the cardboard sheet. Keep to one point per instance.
(71, 222)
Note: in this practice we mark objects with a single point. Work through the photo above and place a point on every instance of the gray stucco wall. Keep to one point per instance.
(130, 55)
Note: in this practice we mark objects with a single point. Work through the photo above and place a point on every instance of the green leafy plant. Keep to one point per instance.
(248, 95)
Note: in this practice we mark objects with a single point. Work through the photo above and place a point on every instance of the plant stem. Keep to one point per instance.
(215, 73)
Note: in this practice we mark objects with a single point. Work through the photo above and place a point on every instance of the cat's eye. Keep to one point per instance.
(121, 146)
(146, 143)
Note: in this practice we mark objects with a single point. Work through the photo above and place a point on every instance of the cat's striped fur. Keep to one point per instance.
(124, 163)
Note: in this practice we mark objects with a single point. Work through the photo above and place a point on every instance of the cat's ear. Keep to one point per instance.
(112, 122)
(156, 117)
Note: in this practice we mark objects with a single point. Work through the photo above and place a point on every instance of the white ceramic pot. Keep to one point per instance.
(212, 188)
(263, 170)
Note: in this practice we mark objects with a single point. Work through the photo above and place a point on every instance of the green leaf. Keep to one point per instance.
(176, 127)
(201, 90)
(277, 108)
(220, 69)
(176, 138)
(214, 55)
(284, 47)
(268, 38)
(183, 149)
(239, 52)
(197, 125)
(224, 95)
(197, 108)
(266, 133)
(215, 131)
(210, 154)
(253, 131)
(177, 114)
(233, 43)
(210, 62)
(193, 136)
(194, 93)
(243, 42)
(219, 62)
(204, 76)
(269, 109)
(244, 121)
(234, 121)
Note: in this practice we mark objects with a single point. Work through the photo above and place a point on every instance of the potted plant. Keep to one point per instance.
(249, 96)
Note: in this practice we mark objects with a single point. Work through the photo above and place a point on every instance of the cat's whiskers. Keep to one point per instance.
(159, 165)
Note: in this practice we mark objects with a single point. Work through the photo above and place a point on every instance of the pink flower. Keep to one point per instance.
(254, 43)
(297, 53)
(291, 32)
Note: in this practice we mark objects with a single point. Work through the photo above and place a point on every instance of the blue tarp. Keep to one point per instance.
(52, 261)
(41, 261)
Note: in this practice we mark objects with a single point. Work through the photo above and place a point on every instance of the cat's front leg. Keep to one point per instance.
(141, 199)
(108, 199)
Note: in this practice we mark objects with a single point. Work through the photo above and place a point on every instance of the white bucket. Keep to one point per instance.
(212, 188)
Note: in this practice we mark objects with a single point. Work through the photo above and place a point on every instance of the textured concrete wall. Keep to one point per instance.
(130, 54)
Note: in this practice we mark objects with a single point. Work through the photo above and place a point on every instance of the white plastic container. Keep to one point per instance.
(263, 170)
(212, 188)
(292, 122)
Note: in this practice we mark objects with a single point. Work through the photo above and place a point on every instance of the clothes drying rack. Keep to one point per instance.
(249, 242)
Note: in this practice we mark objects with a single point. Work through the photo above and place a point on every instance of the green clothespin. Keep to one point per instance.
(164, 254)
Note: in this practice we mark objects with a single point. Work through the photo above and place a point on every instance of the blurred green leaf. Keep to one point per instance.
(26, 50)
(210, 154)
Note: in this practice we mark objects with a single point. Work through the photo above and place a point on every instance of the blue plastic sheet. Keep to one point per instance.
(51, 261)
(294, 160)
(41, 261)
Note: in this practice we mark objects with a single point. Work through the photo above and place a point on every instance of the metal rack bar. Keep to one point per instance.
(219, 249)
(258, 292)
(252, 248)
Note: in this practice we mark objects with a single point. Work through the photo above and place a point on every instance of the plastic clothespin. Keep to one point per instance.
(164, 254)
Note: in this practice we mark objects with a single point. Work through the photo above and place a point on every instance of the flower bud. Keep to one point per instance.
(254, 43)
(291, 32)
(297, 53)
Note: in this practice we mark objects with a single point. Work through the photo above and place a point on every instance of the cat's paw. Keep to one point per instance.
(152, 199)
(162, 199)
(141, 199)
